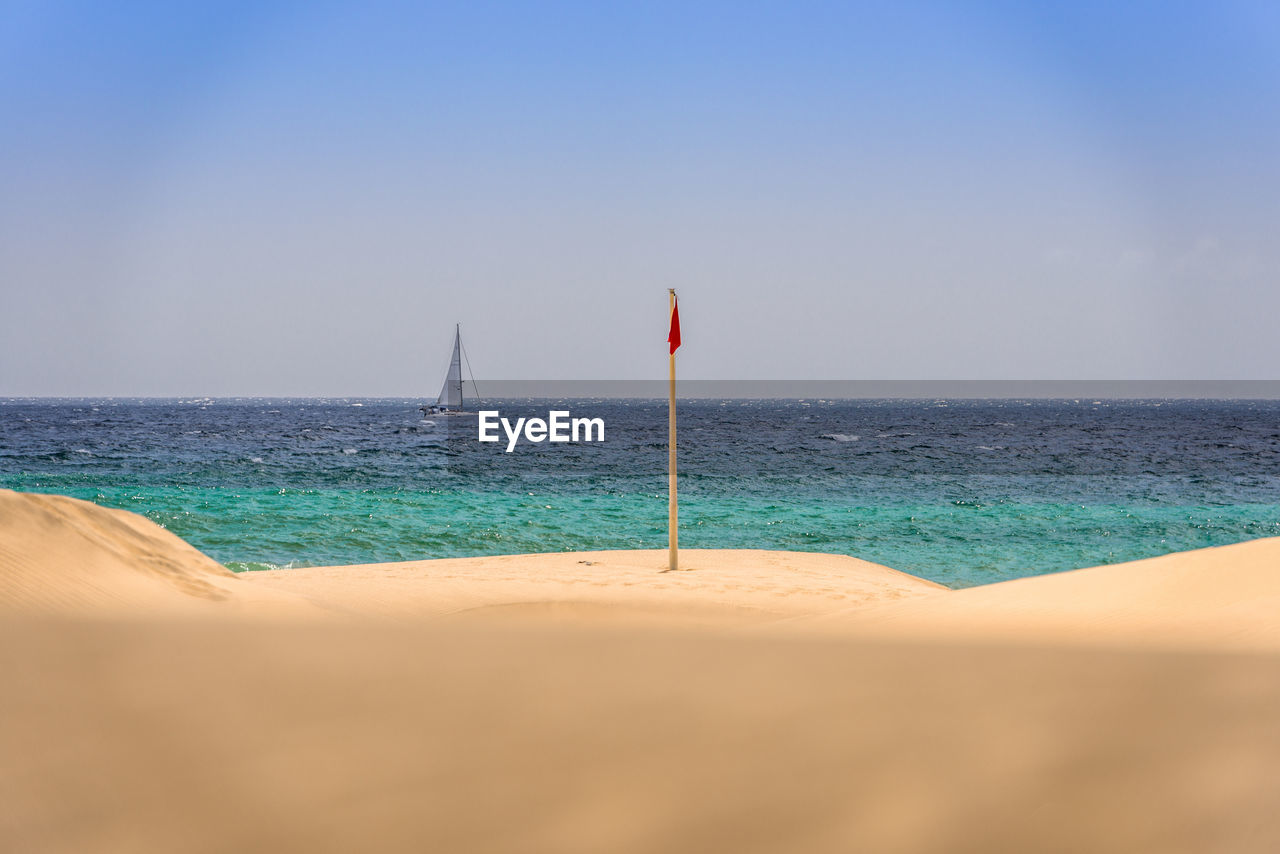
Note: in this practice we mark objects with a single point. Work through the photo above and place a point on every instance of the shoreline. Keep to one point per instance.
(109, 562)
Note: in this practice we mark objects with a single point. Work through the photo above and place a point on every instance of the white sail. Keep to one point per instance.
(451, 394)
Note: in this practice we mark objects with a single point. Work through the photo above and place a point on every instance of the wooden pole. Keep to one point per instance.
(673, 535)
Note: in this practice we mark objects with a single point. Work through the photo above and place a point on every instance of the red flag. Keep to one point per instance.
(673, 337)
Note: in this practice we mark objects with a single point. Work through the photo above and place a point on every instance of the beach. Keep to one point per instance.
(587, 701)
(644, 427)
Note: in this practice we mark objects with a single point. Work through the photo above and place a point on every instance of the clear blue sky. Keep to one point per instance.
(302, 199)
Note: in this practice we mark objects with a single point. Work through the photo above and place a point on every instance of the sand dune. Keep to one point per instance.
(61, 554)
(1228, 596)
(761, 701)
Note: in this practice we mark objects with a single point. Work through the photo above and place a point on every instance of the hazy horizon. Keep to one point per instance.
(1061, 390)
(273, 200)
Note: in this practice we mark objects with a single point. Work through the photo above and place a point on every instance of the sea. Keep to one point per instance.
(963, 492)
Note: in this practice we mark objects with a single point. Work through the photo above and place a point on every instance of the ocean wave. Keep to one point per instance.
(840, 437)
(257, 566)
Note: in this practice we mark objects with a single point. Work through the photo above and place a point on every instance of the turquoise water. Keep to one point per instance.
(962, 492)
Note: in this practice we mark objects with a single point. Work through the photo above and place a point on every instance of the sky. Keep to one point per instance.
(303, 199)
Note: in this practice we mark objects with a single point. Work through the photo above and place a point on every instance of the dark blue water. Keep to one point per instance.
(963, 492)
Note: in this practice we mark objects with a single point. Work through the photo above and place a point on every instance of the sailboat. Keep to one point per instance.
(450, 400)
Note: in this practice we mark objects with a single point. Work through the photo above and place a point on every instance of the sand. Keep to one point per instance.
(62, 555)
(718, 588)
(1226, 597)
(761, 701)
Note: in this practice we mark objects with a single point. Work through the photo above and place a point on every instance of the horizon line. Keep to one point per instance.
(787, 390)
